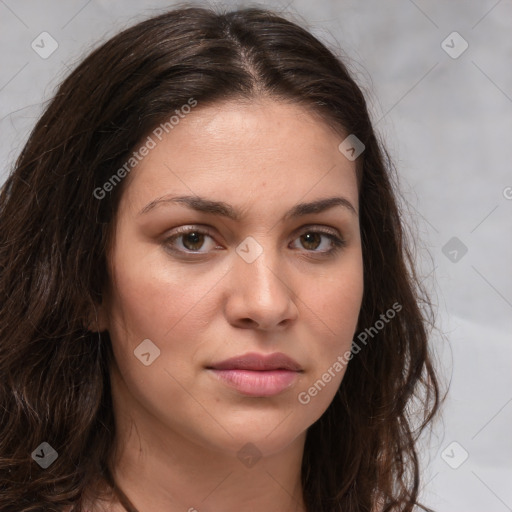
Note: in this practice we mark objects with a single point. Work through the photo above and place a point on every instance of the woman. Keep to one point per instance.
(207, 301)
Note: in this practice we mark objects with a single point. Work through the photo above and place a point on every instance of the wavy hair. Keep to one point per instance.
(54, 238)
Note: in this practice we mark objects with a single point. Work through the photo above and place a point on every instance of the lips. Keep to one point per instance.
(258, 362)
(257, 375)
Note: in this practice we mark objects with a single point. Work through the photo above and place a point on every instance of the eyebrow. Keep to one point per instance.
(223, 209)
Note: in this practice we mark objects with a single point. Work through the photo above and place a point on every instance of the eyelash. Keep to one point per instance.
(337, 242)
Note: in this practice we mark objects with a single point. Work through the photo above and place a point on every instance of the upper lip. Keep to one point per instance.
(261, 362)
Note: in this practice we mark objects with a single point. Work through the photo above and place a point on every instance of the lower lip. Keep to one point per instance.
(257, 383)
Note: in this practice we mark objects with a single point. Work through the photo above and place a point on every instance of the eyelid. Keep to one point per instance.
(319, 228)
(207, 230)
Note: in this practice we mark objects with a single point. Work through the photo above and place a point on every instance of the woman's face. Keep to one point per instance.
(258, 274)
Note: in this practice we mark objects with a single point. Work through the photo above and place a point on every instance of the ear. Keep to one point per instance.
(97, 320)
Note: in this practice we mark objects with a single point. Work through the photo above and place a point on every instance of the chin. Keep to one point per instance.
(270, 432)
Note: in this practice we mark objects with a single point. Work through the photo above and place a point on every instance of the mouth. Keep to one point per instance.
(257, 375)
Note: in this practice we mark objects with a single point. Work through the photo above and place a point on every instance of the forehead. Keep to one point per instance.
(264, 150)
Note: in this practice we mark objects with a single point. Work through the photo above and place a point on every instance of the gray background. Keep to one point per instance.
(448, 125)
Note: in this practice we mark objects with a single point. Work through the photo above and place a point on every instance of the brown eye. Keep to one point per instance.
(192, 240)
(313, 240)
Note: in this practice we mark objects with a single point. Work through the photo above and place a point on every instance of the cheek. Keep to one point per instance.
(339, 321)
(336, 301)
(152, 301)
(342, 302)
(153, 298)
(333, 321)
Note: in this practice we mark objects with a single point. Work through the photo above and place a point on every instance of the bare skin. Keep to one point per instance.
(181, 431)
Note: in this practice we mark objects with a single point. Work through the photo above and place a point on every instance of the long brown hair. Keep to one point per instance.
(55, 231)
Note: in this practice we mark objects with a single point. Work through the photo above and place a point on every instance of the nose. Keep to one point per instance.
(261, 294)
